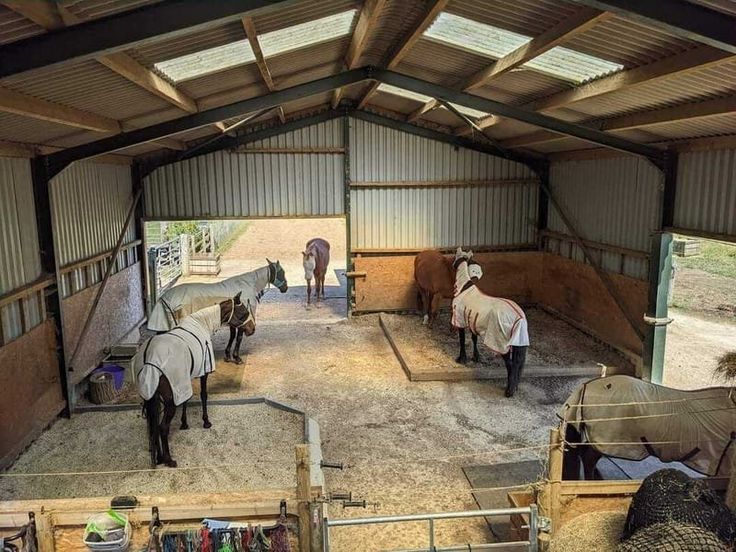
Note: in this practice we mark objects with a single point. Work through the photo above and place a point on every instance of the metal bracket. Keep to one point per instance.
(333, 465)
(544, 524)
(657, 322)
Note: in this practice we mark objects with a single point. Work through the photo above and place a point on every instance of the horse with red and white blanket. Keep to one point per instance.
(500, 321)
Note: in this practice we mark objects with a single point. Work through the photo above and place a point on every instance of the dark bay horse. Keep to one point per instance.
(435, 278)
(166, 364)
(315, 258)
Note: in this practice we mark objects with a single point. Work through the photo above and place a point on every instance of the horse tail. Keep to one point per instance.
(153, 414)
(571, 460)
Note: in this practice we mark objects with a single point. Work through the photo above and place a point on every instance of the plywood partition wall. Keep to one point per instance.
(568, 288)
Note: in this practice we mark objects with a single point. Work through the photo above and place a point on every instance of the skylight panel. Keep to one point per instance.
(237, 53)
(496, 43)
(207, 61)
(307, 34)
(396, 91)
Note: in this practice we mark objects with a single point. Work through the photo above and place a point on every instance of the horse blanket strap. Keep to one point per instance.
(169, 354)
(458, 262)
(467, 285)
(692, 427)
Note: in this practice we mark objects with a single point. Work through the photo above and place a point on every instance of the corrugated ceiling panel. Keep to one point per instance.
(268, 20)
(16, 27)
(224, 184)
(95, 9)
(630, 190)
(724, 6)
(706, 191)
(19, 260)
(16, 128)
(312, 56)
(236, 77)
(89, 86)
(523, 85)
(528, 17)
(89, 205)
(709, 126)
(503, 214)
(454, 64)
(694, 86)
(397, 20)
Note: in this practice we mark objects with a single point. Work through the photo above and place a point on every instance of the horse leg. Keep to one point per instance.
(203, 396)
(508, 361)
(476, 353)
(228, 358)
(184, 424)
(169, 413)
(571, 455)
(151, 407)
(236, 351)
(434, 308)
(590, 458)
(309, 291)
(462, 358)
(518, 359)
(425, 305)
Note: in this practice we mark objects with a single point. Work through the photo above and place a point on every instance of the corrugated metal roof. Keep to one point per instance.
(451, 64)
(15, 128)
(692, 86)
(395, 22)
(89, 86)
(94, 9)
(521, 86)
(707, 126)
(530, 17)
(723, 6)
(271, 19)
(312, 56)
(16, 27)
(236, 77)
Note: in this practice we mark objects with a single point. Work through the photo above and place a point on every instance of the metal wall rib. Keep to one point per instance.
(416, 217)
(89, 202)
(611, 201)
(224, 184)
(20, 263)
(706, 192)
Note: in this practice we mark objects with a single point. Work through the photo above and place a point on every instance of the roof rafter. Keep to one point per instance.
(430, 14)
(367, 19)
(252, 34)
(577, 23)
(677, 17)
(708, 108)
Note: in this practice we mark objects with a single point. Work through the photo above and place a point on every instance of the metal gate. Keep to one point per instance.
(532, 545)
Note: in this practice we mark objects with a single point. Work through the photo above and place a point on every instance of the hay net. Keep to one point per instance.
(670, 499)
(673, 537)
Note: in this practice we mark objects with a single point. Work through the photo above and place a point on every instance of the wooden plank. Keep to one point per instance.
(481, 123)
(250, 32)
(596, 245)
(325, 150)
(726, 238)
(448, 250)
(441, 183)
(428, 106)
(433, 9)
(16, 149)
(96, 258)
(303, 494)
(395, 348)
(580, 22)
(26, 290)
(367, 20)
(36, 108)
(692, 60)
(129, 68)
(172, 144)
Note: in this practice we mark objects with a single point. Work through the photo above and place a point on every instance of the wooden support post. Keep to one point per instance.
(45, 532)
(542, 206)
(555, 475)
(303, 496)
(346, 191)
(136, 172)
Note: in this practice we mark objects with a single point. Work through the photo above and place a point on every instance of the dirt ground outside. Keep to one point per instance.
(703, 306)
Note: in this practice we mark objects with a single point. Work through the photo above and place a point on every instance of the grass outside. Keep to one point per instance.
(715, 258)
(232, 238)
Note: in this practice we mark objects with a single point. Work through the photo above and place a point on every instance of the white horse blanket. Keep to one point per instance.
(500, 322)
(180, 301)
(696, 428)
(181, 355)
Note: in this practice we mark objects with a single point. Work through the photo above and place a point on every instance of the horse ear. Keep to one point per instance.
(268, 261)
(237, 298)
(470, 254)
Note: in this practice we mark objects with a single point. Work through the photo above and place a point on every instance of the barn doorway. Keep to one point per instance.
(211, 251)
(702, 304)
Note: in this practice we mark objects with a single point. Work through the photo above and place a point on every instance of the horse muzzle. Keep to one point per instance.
(283, 288)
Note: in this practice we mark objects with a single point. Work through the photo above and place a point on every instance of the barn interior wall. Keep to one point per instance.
(705, 201)
(90, 202)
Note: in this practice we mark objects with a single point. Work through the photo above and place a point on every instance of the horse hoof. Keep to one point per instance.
(425, 320)
(476, 358)
(461, 359)
(171, 464)
(509, 393)
(228, 359)
(207, 424)
(184, 426)
(238, 360)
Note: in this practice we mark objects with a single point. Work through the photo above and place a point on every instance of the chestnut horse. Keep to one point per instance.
(435, 278)
(315, 259)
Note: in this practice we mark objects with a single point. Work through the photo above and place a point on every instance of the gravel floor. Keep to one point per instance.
(258, 458)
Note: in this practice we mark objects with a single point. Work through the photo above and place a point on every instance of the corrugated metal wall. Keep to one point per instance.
(612, 201)
(89, 202)
(224, 184)
(418, 217)
(706, 192)
(19, 259)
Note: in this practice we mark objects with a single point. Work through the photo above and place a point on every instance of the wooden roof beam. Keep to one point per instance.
(37, 108)
(482, 123)
(250, 31)
(42, 12)
(708, 108)
(578, 23)
(430, 14)
(365, 25)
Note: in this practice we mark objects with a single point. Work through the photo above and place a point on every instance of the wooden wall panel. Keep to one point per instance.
(120, 310)
(32, 398)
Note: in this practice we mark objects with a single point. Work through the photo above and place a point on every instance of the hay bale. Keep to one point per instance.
(595, 531)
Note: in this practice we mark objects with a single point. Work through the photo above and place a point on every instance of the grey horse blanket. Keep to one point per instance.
(181, 301)
(696, 428)
(181, 355)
